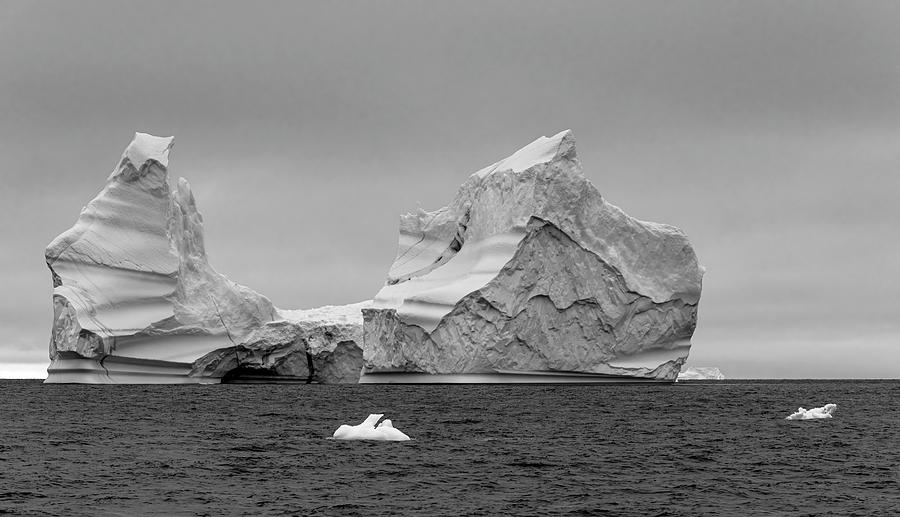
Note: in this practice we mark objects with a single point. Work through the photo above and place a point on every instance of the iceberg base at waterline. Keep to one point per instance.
(503, 377)
(367, 430)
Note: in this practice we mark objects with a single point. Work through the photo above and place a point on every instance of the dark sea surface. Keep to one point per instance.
(685, 449)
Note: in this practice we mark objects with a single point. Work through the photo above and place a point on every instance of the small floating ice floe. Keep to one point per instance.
(368, 431)
(817, 412)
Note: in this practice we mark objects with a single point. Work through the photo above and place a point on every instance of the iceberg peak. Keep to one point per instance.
(543, 150)
(145, 147)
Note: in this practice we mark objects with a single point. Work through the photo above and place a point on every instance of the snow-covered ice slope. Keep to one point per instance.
(529, 269)
(135, 299)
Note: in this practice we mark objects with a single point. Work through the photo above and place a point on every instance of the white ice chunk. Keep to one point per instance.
(368, 431)
(825, 411)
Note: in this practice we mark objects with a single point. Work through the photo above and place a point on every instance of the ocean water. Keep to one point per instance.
(685, 449)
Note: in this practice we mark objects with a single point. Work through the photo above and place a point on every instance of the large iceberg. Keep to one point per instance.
(135, 300)
(529, 275)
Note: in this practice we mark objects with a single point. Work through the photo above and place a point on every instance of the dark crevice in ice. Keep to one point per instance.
(311, 367)
(452, 249)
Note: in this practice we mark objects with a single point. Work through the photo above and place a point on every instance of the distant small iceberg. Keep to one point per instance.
(385, 431)
(815, 413)
(701, 373)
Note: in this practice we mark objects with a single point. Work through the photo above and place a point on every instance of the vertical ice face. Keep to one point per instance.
(529, 269)
(135, 299)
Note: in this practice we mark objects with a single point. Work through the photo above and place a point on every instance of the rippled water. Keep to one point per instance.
(686, 449)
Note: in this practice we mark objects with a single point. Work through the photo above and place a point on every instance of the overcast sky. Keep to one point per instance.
(768, 131)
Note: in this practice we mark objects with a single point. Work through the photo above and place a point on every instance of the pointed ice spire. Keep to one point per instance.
(146, 147)
(140, 156)
(542, 150)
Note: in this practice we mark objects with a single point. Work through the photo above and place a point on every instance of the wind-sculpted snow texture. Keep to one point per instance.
(135, 299)
(530, 270)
